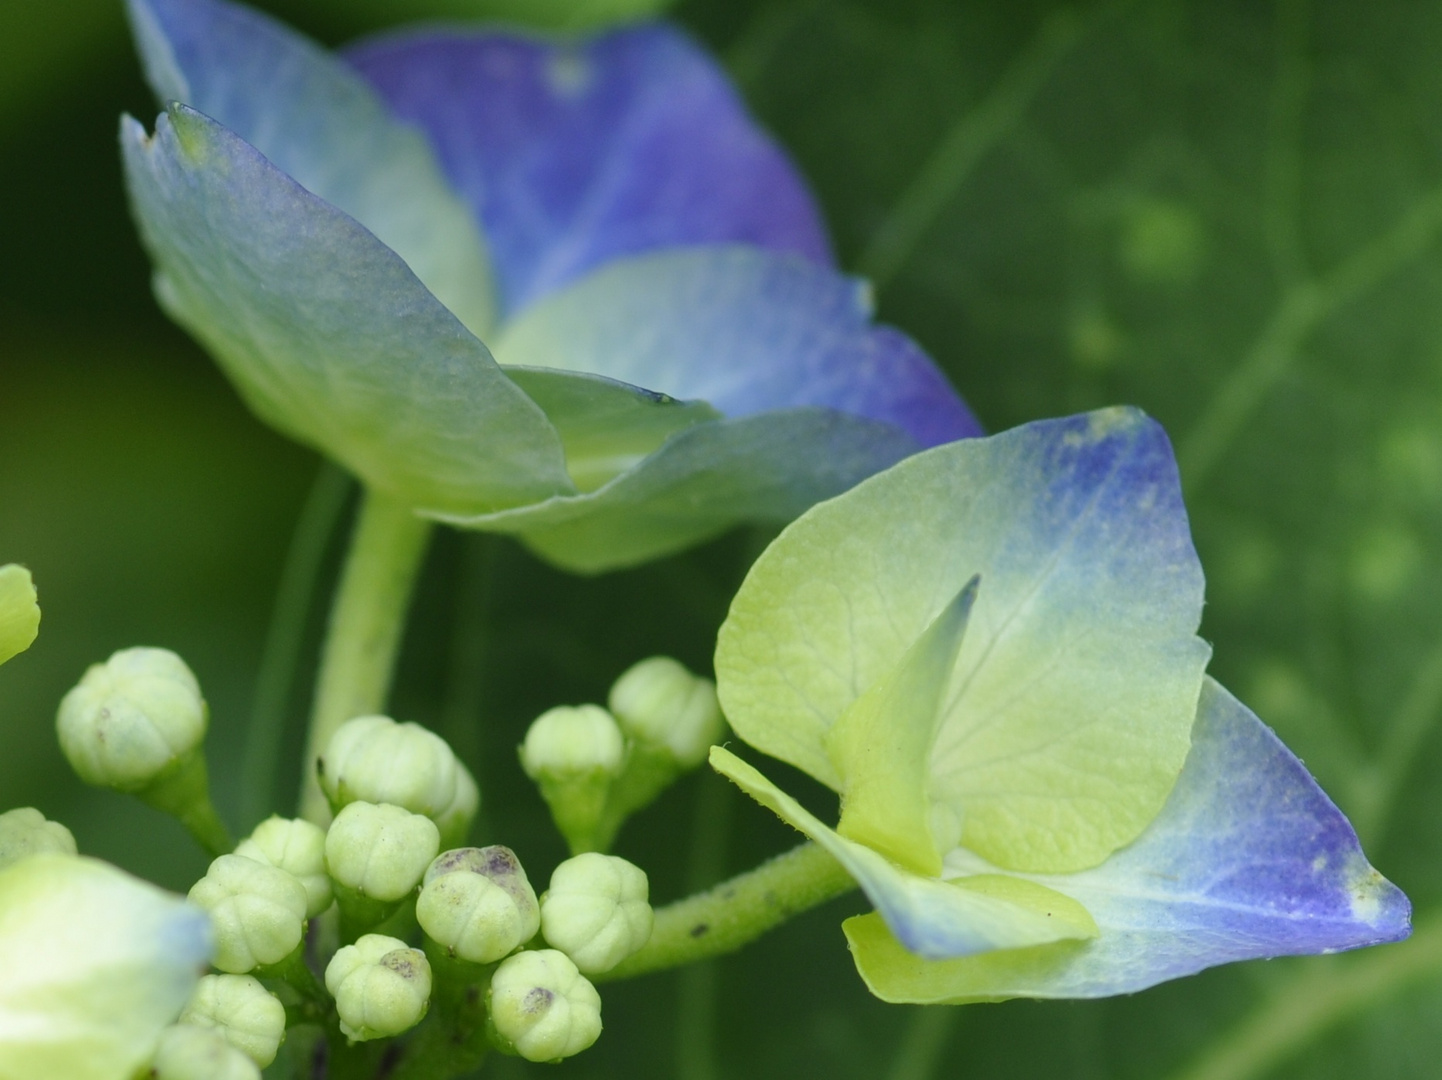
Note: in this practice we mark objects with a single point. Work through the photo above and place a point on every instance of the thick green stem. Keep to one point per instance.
(366, 624)
(738, 911)
(184, 793)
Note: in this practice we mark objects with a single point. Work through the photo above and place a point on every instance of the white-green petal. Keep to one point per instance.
(326, 332)
(317, 120)
(934, 918)
(1068, 715)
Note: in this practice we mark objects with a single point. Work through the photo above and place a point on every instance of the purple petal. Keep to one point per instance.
(575, 152)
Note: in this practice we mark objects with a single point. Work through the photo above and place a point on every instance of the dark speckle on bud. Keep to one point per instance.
(538, 1000)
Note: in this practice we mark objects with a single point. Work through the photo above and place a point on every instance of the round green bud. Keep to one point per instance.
(19, 611)
(24, 831)
(187, 1052)
(478, 903)
(380, 851)
(258, 912)
(658, 701)
(297, 847)
(132, 719)
(541, 1007)
(381, 987)
(596, 911)
(571, 740)
(374, 759)
(242, 1011)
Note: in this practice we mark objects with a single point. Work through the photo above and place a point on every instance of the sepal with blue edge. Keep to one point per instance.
(1249, 858)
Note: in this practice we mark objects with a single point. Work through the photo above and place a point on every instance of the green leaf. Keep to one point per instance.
(19, 612)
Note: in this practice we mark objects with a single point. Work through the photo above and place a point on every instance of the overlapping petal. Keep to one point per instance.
(96, 964)
(1249, 858)
(574, 152)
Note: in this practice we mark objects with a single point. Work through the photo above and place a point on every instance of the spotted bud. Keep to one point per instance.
(478, 903)
(542, 1007)
(381, 987)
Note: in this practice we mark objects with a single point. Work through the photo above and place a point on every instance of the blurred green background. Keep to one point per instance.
(1229, 214)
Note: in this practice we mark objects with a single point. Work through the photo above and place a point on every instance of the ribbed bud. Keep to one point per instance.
(596, 911)
(132, 719)
(381, 987)
(297, 847)
(258, 912)
(96, 963)
(658, 701)
(380, 851)
(19, 611)
(187, 1052)
(542, 1007)
(25, 831)
(478, 903)
(242, 1011)
(374, 759)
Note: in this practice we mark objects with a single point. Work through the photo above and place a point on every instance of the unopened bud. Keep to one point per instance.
(19, 611)
(574, 754)
(242, 1011)
(187, 1052)
(297, 847)
(542, 1007)
(659, 702)
(24, 831)
(374, 759)
(258, 912)
(381, 987)
(478, 903)
(380, 851)
(132, 720)
(596, 911)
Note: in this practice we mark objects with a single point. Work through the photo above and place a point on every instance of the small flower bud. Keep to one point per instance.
(374, 759)
(19, 612)
(96, 964)
(658, 701)
(24, 831)
(478, 904)
(298, 848)
(242, 1011)
(132, 719)
(257, 910)
(542, 1008)
(187, 1052)
(596, 911)
(380, 985)
(380, 851)
(574, 754)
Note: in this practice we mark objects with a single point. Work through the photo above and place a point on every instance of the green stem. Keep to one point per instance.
(366, 623)
(185, 795)
(738, 911)
(927, 1032)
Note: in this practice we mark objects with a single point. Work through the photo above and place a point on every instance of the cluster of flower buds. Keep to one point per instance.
(597, 766)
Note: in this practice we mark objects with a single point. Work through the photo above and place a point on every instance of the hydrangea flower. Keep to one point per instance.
(677, 354)
(989, 652)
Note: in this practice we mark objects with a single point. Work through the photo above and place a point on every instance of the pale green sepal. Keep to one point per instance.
(320, 122)
(1069, 711)
(97, 963)
(933, 917)
(606, 426)
(899, 976)
(19, 611)
(882, 746)
(703, 480)
(326, 332)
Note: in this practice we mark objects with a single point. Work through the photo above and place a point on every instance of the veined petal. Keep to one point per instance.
(19, 611)
(933, 918)
(96, 964)
(1069, 712)
(322, 124)
(574, 152)
(702, 481)
(1249, 858)
(326, 332)
(744, 329)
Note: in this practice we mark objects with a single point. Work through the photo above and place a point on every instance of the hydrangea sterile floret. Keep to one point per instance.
(97, 963)
(990, 653)
(678, 356)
